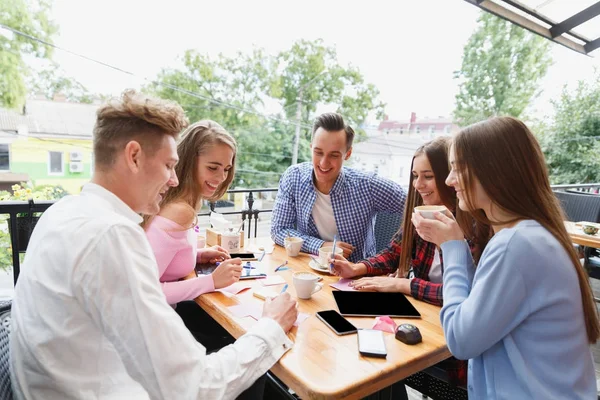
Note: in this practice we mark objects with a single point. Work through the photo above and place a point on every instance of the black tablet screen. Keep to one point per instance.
(374, 304)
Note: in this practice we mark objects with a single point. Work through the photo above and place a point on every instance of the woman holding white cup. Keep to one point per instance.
(411, 265)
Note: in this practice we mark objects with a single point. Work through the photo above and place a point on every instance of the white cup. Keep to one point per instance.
(325, 254)
(306, 284)
(293, 245)
(230, 241)
(427, 211)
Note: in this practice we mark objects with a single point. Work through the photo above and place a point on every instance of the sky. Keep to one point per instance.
(408, 48)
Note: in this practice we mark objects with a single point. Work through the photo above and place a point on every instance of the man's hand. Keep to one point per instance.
(282, 309)
(345, 269)
(227, 273)
(212, 255)
(382, 284)
(347, 248)
(439, 230)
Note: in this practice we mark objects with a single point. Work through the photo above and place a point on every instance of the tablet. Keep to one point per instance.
(374, 304)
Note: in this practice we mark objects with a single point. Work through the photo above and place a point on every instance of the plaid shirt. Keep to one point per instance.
(356, 197)
(388, 260)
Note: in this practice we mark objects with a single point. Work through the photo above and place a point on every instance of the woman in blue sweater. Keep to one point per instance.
(525, 317)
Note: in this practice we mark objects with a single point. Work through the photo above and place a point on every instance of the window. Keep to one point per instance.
(4, 158)
(447, 129)
(401, 131)
(431, 128)
(417, 129)
(55, 163)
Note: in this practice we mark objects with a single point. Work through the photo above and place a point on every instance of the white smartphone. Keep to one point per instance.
(371, 343)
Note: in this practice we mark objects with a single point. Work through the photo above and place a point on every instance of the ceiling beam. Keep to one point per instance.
(593, 45)
(576, 20)
(523, 22)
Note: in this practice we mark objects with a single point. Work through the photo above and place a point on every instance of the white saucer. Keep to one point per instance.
(317, 267)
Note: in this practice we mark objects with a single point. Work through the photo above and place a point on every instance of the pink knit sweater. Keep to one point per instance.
(176, 254)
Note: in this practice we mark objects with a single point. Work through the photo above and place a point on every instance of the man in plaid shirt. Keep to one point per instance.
(321, 199)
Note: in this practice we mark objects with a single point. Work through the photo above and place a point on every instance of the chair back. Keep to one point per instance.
(5, 387)
(386, 224)
(580, 207)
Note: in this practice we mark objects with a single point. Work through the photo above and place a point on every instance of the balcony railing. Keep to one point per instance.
(249, 215)
(30, 208)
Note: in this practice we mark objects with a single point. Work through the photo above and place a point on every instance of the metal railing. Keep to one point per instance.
(27, 209)
(248, 214)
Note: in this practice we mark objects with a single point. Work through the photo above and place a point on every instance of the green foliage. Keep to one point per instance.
(309, 71)
(572, 143)
(22, 192)
(30, 17)
(248, 81)
(52, 81)
(501, 69)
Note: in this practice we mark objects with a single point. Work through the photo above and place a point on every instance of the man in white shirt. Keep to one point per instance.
(89, 319)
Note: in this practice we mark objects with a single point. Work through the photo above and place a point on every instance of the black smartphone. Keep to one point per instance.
(336, 322)
(371, 343)
(244, 256)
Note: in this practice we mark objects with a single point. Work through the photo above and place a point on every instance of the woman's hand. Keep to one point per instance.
(212, 255)
(382, 284)
(227, 273)
(439, 230)
(345, 269)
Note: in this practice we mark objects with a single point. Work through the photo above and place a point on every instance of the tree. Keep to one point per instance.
(52, 81)
(310, 73)
(30, 17)
(572, 143)
(501, 68)
(234, 90)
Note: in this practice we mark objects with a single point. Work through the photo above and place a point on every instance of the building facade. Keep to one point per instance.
(390, 148)
(47, 143)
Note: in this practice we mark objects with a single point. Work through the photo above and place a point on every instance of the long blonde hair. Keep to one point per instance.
(195, 141)
(504, 156)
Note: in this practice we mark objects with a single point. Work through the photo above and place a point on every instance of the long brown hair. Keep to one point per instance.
(505, 158)
(436, 152)
(195, 141)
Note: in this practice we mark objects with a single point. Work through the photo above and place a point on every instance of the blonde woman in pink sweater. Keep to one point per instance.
(205, 170)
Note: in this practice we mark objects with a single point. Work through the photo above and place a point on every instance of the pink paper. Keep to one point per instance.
(241, 310)
(272, 280)
(236, 287)
(343, 284)
(255, 311)
(385, 324)
(301, 318)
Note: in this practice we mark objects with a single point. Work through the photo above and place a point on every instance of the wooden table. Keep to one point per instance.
(581, 238)
(322, 365)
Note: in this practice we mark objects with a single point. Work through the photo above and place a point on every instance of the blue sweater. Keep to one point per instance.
(518, 317)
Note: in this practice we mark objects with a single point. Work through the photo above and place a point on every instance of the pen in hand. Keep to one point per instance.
(333, 251)
(284, 288)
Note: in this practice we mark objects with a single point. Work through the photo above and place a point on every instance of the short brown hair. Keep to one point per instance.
(333, 122)
(197, 139)
(134, 116)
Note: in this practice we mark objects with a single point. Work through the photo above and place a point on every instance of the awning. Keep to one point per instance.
(572, 23)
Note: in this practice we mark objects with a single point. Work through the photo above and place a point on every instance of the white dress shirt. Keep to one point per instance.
(90, 321)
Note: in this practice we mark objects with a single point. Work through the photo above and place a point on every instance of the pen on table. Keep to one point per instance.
(262, 255)
(284, 288)
(333, 250)
(281, 266)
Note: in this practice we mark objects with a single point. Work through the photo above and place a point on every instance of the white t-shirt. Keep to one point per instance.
(435, 272)
(90, 321)
(322, 214)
